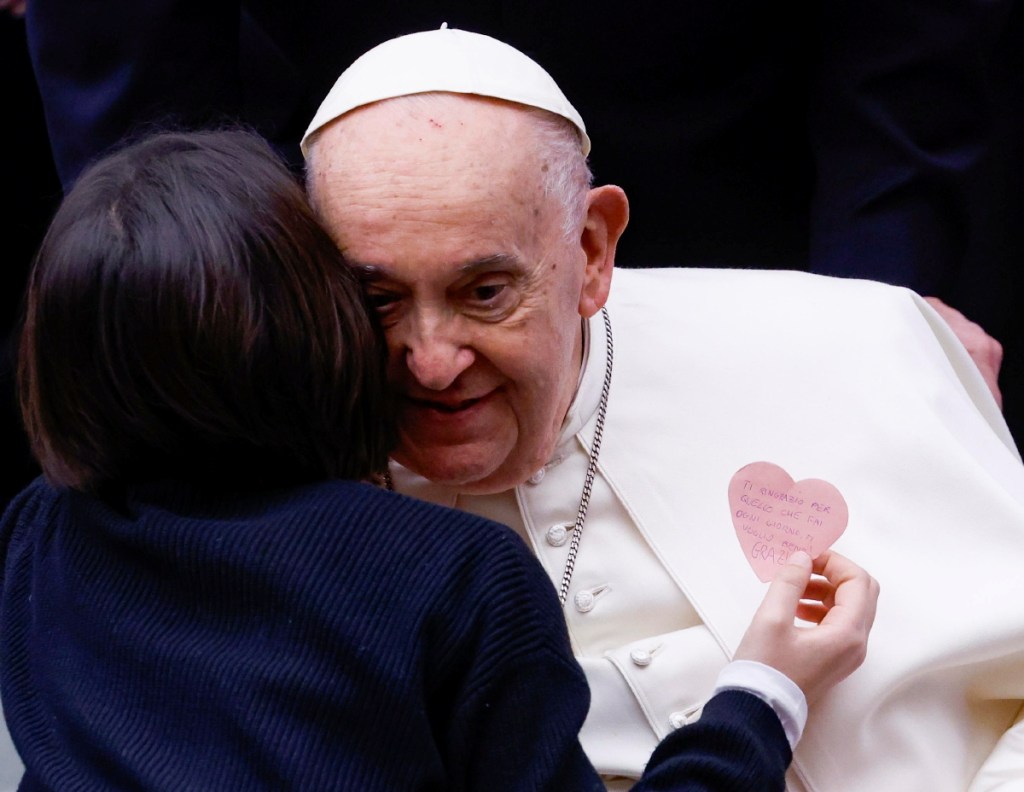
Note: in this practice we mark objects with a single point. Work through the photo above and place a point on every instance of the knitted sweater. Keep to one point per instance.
(328, 636)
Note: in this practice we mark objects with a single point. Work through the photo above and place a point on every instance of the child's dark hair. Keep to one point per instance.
(188, 316)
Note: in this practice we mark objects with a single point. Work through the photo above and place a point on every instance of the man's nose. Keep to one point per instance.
(436, 355)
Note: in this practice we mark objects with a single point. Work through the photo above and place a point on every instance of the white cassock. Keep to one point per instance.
(855, 382)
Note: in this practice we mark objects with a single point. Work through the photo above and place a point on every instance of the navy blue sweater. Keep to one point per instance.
(330, 636)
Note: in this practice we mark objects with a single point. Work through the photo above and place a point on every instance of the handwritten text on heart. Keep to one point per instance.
(775, 516)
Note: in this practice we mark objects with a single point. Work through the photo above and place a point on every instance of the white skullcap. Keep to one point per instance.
(453, 61)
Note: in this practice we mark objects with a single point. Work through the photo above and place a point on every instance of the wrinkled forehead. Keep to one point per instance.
(442, 145)
(424, 126)
(435, 178)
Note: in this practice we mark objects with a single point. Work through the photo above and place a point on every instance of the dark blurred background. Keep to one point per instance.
(32, 192)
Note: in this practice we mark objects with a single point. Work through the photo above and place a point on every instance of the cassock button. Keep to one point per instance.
(641, 657)
(680, 718)
(537, 477)
(557, 534)
(584, 601)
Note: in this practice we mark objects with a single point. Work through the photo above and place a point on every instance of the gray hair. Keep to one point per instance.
(567, 178)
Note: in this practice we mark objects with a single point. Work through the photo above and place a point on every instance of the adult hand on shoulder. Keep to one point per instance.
(840, 602)
(985, 351)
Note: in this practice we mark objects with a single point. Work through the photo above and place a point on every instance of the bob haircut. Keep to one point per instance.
(188, 317)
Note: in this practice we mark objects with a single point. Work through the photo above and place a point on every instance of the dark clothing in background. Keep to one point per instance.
(31, 186)
(839, 137)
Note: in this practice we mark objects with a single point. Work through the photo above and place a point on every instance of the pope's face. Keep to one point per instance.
(440, 206)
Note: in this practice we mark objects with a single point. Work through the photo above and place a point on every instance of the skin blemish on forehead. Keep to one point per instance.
(436, 124)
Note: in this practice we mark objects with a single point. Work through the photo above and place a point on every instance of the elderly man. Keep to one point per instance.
(611, 427)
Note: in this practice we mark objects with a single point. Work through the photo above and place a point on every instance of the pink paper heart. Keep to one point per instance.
(775, 516)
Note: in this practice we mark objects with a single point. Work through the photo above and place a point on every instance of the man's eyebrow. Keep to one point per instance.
(503, 261)
(370, 273)
(367, 273)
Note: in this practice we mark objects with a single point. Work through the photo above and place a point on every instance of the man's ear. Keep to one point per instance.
(607, 215)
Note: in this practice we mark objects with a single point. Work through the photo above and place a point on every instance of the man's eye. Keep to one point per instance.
(488, 292)
(381, 301)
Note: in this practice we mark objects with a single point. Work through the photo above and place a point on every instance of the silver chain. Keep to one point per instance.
(588, 482)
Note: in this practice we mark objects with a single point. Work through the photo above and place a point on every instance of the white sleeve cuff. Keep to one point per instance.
(774, 688)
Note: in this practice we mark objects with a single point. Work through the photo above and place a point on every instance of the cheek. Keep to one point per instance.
(544, 375)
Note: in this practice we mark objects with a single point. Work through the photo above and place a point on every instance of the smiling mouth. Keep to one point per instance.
(450, 408)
